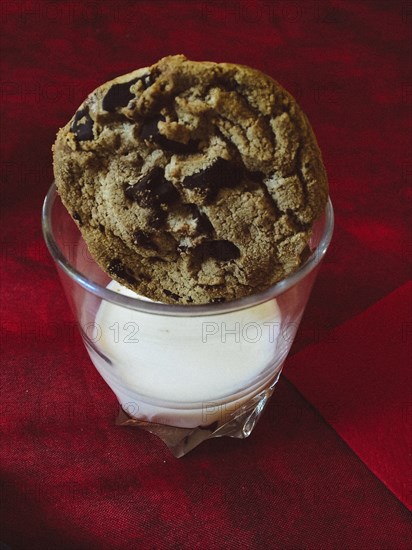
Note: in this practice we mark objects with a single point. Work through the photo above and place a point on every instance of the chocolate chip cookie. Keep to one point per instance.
(192, 182)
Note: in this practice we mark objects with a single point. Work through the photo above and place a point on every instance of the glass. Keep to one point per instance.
(186, 373)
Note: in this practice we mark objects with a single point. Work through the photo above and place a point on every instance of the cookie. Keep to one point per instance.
(192, 182)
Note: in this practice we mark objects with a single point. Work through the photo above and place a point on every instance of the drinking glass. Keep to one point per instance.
(183, 372)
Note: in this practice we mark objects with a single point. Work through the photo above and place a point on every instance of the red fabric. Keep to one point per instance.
(359, 378)
(304, 479)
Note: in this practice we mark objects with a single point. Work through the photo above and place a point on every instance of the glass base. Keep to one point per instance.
(181, 441)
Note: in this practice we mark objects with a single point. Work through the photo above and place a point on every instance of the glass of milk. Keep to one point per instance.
(183, 372)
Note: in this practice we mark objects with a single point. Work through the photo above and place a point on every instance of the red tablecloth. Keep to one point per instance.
(329, 464)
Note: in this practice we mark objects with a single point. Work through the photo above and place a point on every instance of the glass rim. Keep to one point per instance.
(188, 310)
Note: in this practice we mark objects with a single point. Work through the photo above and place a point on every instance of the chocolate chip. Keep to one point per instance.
(219, 250)
(222, 173)
(150, 130)
(118, 95)
(144, 240)
(257, 176)
(157, 219)
(149, 127)
(82, 126)
(102, 228)
(230, 85)
(171, 295)
(203, 225)
(144, 277)
(147, 80)
(76, 216)
(176, 146)
(117, 269)
(152, 190)
(305, 254)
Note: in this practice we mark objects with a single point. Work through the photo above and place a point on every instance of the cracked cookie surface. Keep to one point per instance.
(192, 182)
